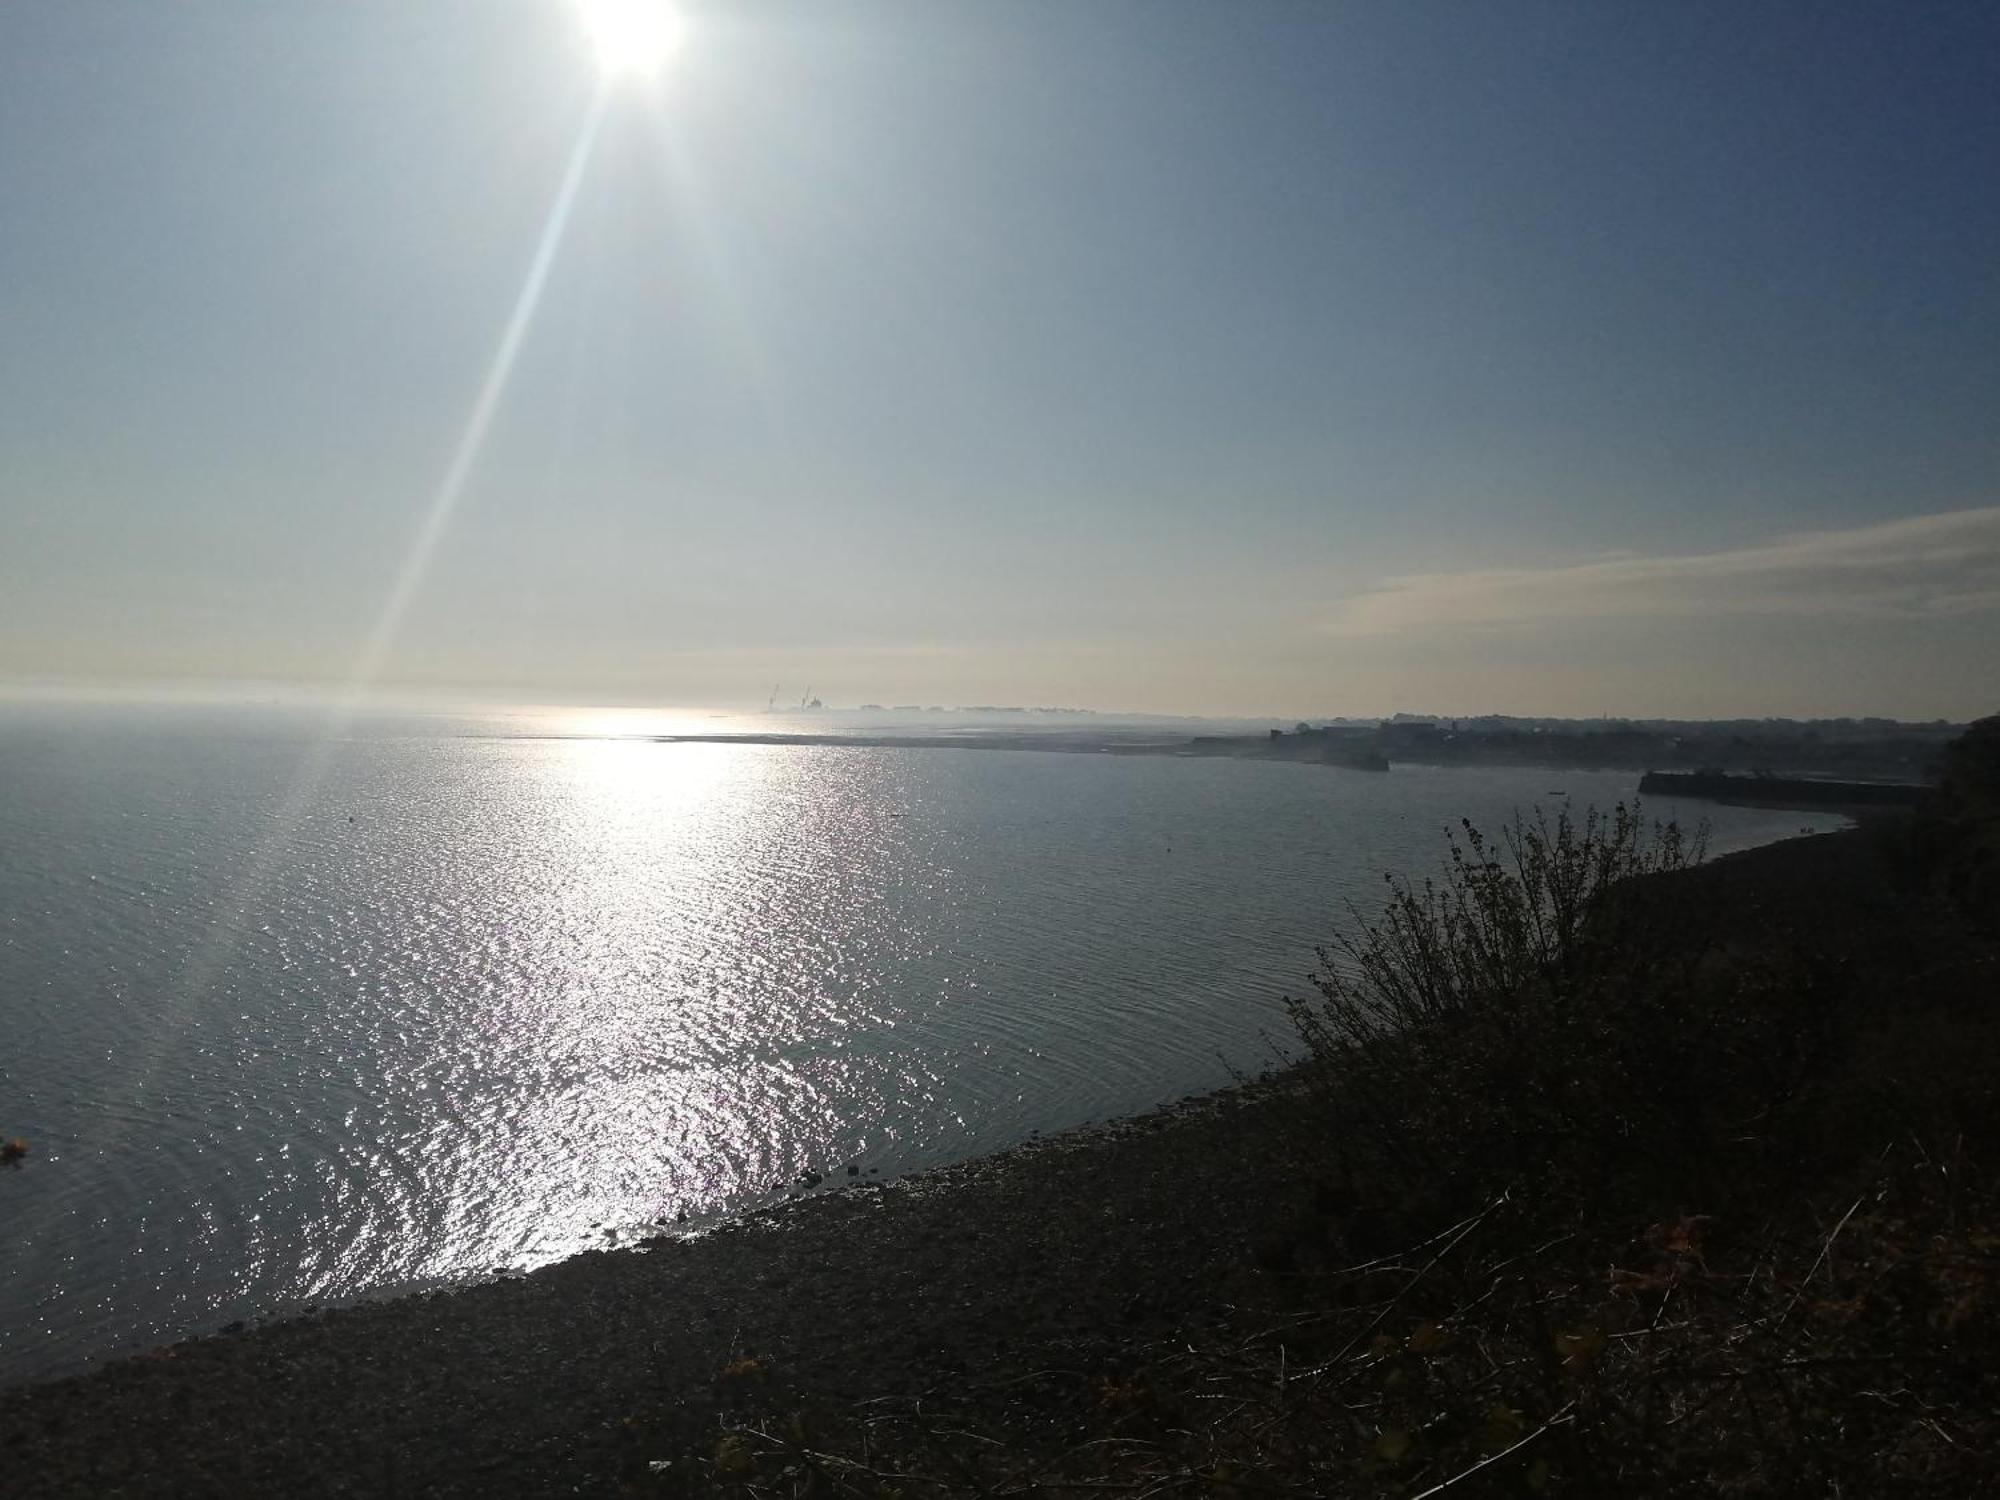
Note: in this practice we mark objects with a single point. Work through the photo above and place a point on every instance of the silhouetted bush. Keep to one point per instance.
(1963, 825)
(1533, 1008)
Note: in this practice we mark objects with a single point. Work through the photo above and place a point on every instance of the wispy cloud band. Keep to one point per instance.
(1927, 566)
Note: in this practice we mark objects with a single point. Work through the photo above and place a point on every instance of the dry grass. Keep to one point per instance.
(1850, 1355)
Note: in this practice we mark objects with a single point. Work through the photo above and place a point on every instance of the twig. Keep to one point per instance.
(1458, 1232)
(1639, 1333)
(1530, 1254)
(1557, 1420)
(1661, 1311)
(1823, 1252)
(1928, 1422)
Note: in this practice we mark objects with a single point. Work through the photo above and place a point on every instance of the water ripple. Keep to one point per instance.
(501, 1000)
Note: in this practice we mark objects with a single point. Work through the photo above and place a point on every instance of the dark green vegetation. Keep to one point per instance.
(1607, 1174)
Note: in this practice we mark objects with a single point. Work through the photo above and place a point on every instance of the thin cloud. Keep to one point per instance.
(1925, 568)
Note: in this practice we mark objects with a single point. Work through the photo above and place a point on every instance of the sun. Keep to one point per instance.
(632, 37)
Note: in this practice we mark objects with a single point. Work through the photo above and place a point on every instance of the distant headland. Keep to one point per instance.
(1690, 753)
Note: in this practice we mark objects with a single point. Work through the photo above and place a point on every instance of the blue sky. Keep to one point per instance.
(1235, 358)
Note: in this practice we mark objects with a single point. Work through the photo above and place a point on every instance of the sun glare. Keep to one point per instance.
(632, 37)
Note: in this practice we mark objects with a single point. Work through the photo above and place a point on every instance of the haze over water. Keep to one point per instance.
(468, 997)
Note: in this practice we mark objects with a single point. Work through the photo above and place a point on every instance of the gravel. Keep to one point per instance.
(1056, 1253)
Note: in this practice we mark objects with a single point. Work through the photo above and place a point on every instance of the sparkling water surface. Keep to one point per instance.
(290, 1019)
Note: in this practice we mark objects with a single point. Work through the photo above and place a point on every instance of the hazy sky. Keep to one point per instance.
(1225, 357)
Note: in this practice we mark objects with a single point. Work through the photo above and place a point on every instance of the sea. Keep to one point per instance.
(297, 1009)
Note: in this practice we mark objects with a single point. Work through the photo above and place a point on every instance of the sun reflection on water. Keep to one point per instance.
(697, 932)
(512, 997)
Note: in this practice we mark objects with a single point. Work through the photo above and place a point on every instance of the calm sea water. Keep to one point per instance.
(290, 1020)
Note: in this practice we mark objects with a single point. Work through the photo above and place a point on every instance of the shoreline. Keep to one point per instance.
(1023, 1284)
(54, 1331)
(507, 1386)
(798, 1204)
(642, 1234)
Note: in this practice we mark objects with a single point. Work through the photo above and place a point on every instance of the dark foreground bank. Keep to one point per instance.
(1205, 1301)
(978, 1274)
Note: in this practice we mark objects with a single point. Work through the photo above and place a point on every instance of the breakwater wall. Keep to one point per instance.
(1780, 791)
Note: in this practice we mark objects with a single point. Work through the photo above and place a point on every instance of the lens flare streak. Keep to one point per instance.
(473, 438)
(262, 863)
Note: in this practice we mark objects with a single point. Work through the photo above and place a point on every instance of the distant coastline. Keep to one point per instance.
(1236, 747)
(1752, 760)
